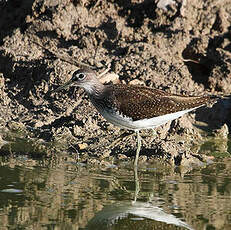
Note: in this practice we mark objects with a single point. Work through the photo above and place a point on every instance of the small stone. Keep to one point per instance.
(107, 164)
(163, 4)
(110, 77)
(82, 146)
(136, 82)
(38, 124)
(122, 156)
(143, 158)
(223, 132)
(105, 154)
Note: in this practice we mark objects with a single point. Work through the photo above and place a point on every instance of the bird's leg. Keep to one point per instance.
(138, 148)
(137, 184)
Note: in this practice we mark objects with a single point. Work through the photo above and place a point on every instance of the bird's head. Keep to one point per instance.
(84, 78)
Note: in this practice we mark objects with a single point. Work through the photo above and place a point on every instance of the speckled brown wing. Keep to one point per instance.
(140, 102)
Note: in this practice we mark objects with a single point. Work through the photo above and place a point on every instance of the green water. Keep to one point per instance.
(58, 193)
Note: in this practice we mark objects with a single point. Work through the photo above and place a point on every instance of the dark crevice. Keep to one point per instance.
(13, 15)
(24, 76)
(199, 66)
(135, 13)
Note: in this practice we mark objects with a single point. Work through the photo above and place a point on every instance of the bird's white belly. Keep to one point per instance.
(128, 123)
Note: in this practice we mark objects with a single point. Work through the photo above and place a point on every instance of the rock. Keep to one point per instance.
(122, 156)
(82, 146)
(110, 77)
(136, 82)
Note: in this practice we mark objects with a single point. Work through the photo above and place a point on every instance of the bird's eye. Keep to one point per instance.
(81, 76)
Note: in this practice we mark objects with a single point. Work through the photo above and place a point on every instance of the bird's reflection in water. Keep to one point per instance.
(135, 215)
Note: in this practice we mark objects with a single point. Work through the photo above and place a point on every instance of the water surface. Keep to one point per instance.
(58, 193)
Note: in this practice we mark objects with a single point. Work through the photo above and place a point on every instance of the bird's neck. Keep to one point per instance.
(94, 88)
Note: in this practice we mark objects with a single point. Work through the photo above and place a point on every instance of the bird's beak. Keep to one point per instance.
(66, 85)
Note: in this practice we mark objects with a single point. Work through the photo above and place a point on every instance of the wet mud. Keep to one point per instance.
(183, 47)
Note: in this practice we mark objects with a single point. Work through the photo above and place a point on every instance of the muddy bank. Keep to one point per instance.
(182, 48)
